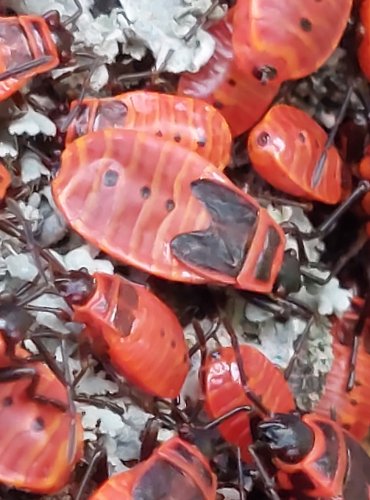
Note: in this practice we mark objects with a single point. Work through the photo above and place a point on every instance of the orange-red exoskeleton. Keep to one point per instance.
(5, 180)
(31, 45)
(240, 96)
(286, 147)
(190, 122)
(128, 327)
(34, 434)
(287, 40)
(314, 457)
(351, 407)
(223, 391)
(176, 469)
(164, 209)
(364, 47)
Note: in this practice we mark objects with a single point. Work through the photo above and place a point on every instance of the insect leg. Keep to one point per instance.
(268, 482)
(23, 68)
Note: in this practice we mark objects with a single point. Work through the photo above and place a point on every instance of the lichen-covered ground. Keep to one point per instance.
(130, 36)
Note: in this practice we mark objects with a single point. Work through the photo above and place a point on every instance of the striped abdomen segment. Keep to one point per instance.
(285, 148)
(34, 437)
(223, 390)
(130, 194)
(351, 408)
(192, 123)
(129, 327)
(24, 39)
(175, 469)
(294, 38)
(238, 95)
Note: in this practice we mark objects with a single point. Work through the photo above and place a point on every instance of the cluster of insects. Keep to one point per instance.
(151, 179)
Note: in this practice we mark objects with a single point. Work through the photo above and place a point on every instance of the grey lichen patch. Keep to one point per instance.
(139, 25)
(163, 25)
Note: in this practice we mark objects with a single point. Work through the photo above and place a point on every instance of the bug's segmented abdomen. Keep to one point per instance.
(174, 467)
(223, 390)
(352, 408)
(130, 194)
(34, 437)
(192, 123)
(285, 149)
(238, 95)
(303, 39)
(138, 334)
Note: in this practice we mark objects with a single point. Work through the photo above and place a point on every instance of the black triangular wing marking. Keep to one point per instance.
(222, 247)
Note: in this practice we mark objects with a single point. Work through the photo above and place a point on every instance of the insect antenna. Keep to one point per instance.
(22, 68)
(75, 16)
(72, 115)
(97, 455)
(265, 476)
(298, 348)
(243, 377)
(357, 331)
(150, 438)
(32, 245)
(64, 377)
(316, 176)
(201, 20)
(242, 494)
(204, 337)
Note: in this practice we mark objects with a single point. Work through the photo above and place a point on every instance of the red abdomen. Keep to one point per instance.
(285, 148)
(238, 95)
(351, 408)
(164, 209)
(34, 437)
(128, 326)
(176, 469)
(223, 390)
(294, 38)
(192, 123)
(24, 39)
(5, 180)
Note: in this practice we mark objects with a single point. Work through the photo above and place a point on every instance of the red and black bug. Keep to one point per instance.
(35, 426)
(176, 468)
(189, 122)
(240, 96)
(223, 391)
(286, 147)
(351, 406)
(298, 44)
(129, 328)
(314, 457)
(31, 45)
(170, 212)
